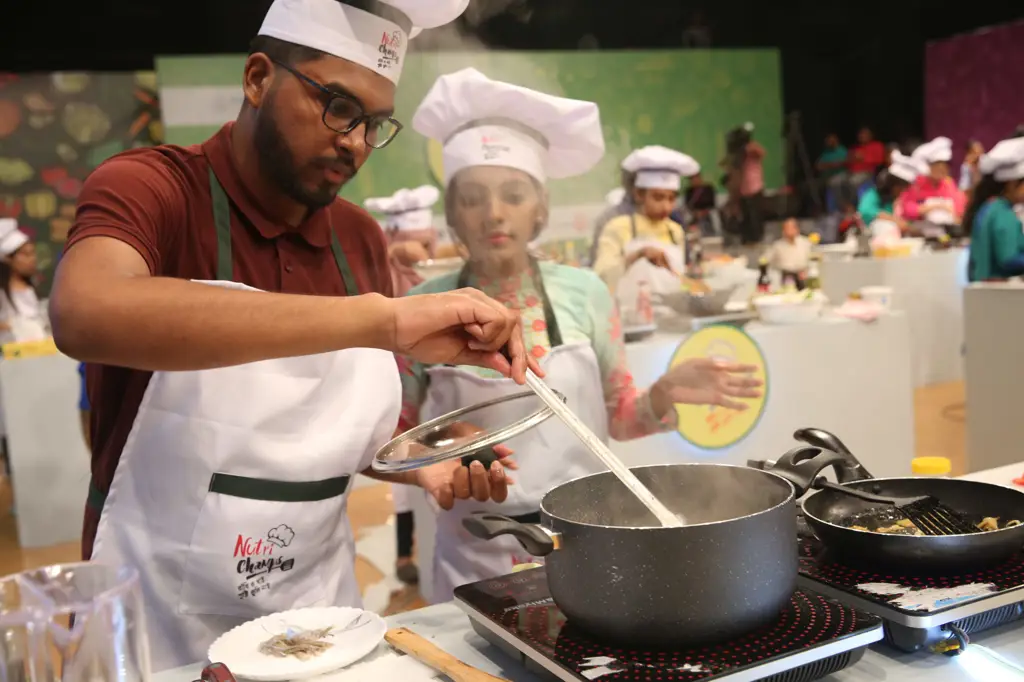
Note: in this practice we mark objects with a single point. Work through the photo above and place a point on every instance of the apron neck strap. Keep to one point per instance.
(632, 229)
(554, 331)
(222, 223)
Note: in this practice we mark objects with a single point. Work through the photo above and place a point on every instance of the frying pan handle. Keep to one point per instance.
(851, 470)
(802, 465)
(535, 539)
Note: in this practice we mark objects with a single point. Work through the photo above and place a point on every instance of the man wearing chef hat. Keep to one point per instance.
(234, 315)
(934, 197)
(646, 245)
(997, 238)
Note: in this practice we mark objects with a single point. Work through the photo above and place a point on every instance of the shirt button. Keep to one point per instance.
(288, 268)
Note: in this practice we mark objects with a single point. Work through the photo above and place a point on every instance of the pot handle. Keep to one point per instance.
(802, 464)
(852, 470)
(487, 526)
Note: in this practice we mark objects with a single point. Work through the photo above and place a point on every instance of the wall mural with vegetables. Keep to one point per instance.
(54, 129)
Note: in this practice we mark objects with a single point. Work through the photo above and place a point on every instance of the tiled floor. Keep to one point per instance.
(940, 431)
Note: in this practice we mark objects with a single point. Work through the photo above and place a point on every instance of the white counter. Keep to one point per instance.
(994, 337)
(848, 377)
(928, 288)
(448, 628)
(49, 460)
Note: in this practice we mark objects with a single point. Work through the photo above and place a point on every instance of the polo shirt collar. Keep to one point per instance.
(315, 230)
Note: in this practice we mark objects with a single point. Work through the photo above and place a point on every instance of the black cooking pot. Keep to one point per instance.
(620, 576)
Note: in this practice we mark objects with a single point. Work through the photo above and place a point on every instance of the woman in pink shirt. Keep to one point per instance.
(934, 197)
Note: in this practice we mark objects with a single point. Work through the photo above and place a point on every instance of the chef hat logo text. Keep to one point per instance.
(281, 536)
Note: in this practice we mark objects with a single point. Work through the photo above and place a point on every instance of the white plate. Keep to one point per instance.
(239, 649)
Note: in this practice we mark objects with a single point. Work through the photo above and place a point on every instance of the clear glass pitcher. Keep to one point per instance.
(73, 623)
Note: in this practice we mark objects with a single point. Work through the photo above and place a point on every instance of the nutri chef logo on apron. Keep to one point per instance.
(260, 559)
(493, 148)
(390, 50)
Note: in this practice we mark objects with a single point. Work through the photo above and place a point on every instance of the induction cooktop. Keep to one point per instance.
(813, 637)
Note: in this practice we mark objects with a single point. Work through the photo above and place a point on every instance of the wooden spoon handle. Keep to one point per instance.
(411, 644)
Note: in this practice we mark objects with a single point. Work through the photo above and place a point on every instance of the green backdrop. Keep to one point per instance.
(686, 100)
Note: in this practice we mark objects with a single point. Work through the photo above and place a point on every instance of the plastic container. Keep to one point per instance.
(932, 467)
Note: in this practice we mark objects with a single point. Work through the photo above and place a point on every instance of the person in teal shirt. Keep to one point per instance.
(832, 166)
(878, 202)
(997, 236)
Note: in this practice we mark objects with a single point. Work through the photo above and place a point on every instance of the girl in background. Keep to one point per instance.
(22, 315)
(934, 197)
(879, 207)
(501, 144)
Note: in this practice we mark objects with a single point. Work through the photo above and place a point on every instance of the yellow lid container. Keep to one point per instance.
(931, 466)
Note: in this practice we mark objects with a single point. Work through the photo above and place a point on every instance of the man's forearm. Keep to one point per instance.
(165, 324)
(405, 477)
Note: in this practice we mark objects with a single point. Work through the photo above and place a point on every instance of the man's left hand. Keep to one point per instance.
(450, 481)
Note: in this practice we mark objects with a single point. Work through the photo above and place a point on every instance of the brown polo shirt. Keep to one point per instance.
(158, 200)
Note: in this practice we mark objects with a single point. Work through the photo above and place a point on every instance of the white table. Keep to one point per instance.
(994, 335)
(49, 460)
(848, 377)
(929, 289)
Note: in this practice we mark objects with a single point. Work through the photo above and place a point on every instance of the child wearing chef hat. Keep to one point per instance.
(997, 238)
(879, 207)
(934, 196)
(501, 144)
(22, 315)
(646, 245)
(408, 222)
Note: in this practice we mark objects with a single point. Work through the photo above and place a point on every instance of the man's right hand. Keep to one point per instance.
(463, 327)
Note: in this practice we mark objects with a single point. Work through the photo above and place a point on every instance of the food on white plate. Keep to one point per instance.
(301, 644)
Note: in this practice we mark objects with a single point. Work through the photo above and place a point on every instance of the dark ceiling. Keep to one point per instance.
(845, 62)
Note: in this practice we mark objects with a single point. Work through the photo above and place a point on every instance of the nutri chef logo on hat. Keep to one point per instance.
(493, 147)
(390, 50)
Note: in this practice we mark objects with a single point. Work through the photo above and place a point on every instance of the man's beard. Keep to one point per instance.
(278, 164)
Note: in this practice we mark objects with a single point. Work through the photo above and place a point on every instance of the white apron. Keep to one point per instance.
(661, 281)
(231, 492)
(548, 455)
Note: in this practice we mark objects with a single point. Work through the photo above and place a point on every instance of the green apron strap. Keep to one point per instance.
(222, 222)
(351, 288)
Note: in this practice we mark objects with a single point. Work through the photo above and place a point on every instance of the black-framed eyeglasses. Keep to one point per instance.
(343, 114)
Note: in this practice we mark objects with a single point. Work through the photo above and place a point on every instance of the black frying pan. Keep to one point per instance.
(829, 513)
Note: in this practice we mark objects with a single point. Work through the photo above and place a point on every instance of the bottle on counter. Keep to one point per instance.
(813, 279)
(764, 283)
(933, 467)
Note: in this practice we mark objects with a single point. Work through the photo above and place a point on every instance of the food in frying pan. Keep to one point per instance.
(302, 644)
(907, 527)
(992, 523)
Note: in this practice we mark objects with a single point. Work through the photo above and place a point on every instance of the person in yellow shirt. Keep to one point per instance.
(646, 245)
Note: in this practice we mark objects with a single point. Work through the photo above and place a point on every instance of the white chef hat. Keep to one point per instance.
(374, 34)
(407, 209)
(659, 167)
(615, 197)
(907, 167)
(482, 122)
(11, 238)
(938, 150)
(1005, 161)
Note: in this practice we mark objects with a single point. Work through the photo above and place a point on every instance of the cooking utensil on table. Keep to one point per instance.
(829, 513)
(620, 576)
(409, 643)
(74, 623)
(924, 511)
